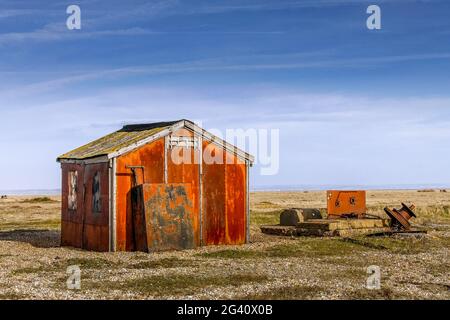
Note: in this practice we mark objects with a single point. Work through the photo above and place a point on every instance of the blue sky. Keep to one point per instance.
(354, 106)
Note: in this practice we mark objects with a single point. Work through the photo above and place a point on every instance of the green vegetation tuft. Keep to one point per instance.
(298, 292)
(163, 263)
(313, 247)
(266, 205)
(39, 200)
(265, 218)
(12, 296)
(382, 294)
(90, 263)
(231, 254)
(398, 245)
(50, 224)
(302, 247)
(30, 270)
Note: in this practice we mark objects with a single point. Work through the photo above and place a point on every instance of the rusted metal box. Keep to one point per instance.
(346, 204)
(163, 217)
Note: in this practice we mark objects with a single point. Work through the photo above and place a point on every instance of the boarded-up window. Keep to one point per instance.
(73, 190)
(96, 203)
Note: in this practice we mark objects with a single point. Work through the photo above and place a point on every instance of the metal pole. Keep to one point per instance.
(247, 165)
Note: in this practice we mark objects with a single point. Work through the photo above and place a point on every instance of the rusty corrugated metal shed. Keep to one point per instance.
(98, 181)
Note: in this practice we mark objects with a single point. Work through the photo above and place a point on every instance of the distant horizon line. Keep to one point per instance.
(284, 187)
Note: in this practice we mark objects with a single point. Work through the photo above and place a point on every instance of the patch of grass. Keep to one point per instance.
(430, 213)
(315, 247)
(163, 263)
(53, 267)
(30, 270)
(39, 200)
(401, 245)
(11, 296)
(334, 247)
(364, 243)
(47, 223)
(381, 294)
(32, 224)
(174, 284)
(83, 263)
(266, 205)
(263, 218)
(353, 271)
(433, 287)
(298, 292)
(231, 254)
(90, 263)
(433, 211)
(303, 247)
(440, 269)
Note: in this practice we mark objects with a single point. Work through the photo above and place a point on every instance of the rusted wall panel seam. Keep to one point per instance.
(200, 206)
(166, 152)
(247, 200)
(114, 206)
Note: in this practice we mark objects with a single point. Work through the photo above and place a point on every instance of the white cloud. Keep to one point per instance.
(325, 137)
(59, 33)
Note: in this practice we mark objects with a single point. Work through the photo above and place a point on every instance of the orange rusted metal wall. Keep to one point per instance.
(163, 217)
(83, 228)
(223, 189)
(187, 173)
(151, 156)
(224, 198)
(236, 192)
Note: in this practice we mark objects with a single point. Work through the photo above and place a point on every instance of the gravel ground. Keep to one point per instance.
(33, 266)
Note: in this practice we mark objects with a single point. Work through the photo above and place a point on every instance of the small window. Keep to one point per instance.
(96, 201)
(73, 190)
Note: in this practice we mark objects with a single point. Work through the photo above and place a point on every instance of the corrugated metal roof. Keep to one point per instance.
(115, 141)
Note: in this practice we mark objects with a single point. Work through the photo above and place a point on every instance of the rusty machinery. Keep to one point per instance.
(346, 204)
(400, 217)
(352, 204)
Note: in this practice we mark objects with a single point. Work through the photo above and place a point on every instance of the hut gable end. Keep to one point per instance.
(131, 137)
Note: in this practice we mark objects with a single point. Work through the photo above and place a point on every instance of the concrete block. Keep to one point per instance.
(291, 217)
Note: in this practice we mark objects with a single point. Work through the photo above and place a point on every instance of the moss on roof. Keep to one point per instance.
(115, 141)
